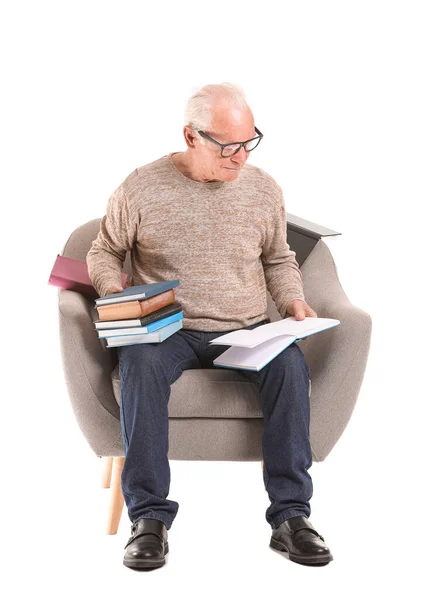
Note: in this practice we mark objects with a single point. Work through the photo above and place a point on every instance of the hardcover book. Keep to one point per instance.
(166, 311)
(135, 309)
(157, 336)
(132, 331)
(137, 292)
(72, 274)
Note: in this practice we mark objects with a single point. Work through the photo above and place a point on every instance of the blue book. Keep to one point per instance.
(146, 338)
(137, 292)
(111, 333)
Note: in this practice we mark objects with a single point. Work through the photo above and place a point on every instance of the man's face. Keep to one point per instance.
(229, 125)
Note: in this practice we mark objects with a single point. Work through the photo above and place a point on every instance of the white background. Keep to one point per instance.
(91, 90)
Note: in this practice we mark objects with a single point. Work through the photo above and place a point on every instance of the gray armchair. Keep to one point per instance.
(208, 421)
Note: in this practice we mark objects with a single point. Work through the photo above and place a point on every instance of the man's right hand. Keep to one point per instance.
(113, 289)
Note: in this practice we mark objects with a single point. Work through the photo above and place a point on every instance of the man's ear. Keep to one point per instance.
(190, 136)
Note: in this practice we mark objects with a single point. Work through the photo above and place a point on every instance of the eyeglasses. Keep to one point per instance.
(228, 150)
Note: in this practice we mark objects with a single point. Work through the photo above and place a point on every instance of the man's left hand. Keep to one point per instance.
(300, 309)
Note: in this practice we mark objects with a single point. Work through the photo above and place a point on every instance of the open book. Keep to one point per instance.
(252, 349)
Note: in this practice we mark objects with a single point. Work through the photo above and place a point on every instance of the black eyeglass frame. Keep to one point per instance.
(222, 146)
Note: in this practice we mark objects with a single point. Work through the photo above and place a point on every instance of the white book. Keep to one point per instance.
(252, 349)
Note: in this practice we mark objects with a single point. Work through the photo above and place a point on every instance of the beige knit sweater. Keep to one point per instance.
(224, 241)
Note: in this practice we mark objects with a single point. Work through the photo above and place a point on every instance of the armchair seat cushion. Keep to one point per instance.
(208, 393)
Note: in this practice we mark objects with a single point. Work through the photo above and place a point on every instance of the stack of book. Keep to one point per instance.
(140, 314)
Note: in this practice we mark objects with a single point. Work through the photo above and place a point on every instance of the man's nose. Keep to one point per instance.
(241, 156)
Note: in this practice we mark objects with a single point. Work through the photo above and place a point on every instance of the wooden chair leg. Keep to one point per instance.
(106, 471)
(116, 502)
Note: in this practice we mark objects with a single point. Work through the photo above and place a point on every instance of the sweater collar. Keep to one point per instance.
(202, 184)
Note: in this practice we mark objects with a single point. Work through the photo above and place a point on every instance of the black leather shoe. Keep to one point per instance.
(147, 546)
(298, 538)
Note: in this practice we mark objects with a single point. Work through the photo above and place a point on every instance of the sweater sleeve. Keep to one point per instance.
(283, 277)
(116, 237)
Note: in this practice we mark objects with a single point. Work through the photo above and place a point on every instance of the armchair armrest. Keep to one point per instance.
(308, 228)
(338, 356)
(87, 367)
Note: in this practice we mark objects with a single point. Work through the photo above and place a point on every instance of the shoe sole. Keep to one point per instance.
(146, 563)
(303, 560)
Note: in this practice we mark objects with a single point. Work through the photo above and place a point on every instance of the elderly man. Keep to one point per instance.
(205, 217)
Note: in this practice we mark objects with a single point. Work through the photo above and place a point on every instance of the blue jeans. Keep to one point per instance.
(146, 374)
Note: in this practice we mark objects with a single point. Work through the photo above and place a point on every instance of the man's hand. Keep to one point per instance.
(300, 309)
(114, 289)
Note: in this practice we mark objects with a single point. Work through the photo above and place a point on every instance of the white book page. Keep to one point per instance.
(249, 338)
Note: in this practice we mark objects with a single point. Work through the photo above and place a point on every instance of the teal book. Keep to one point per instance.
(130, 331)
(155, 337)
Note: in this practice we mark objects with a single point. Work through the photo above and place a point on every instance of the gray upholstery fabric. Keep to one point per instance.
(221, 419)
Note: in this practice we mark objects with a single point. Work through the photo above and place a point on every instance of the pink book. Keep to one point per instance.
(71, 274)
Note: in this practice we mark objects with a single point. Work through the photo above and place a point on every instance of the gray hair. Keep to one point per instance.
(199, 109)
